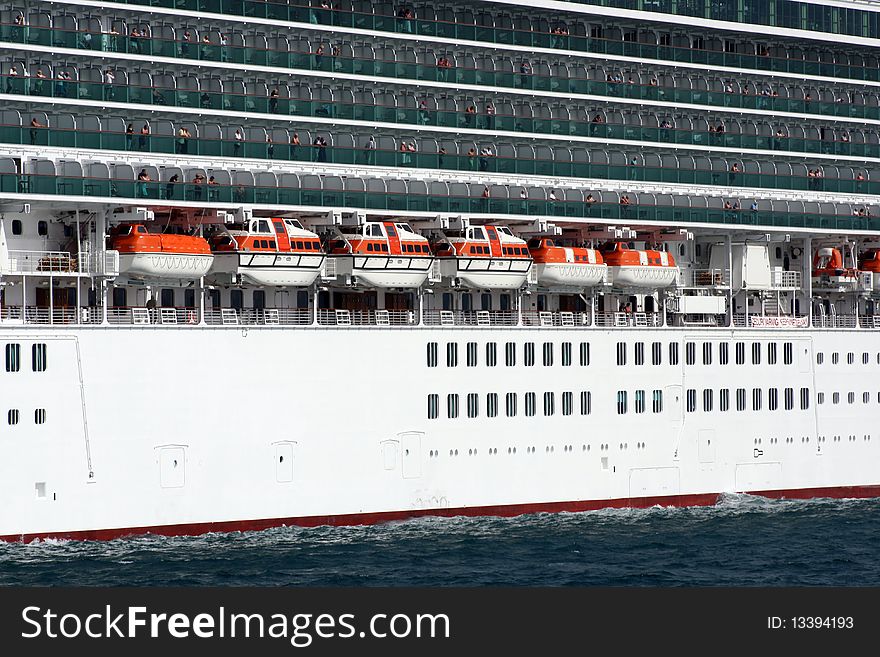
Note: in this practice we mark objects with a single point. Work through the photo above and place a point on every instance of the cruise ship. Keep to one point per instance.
(303, 263)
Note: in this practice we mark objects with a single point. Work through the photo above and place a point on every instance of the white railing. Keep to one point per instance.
(556, 318)
(328, 269)
(627, 319)
(704, 278)
(470, 317)
(43, 315)
(335, 317)
(106, 266)
(258, 316)
(785, 280)
(835, 321)
(41, 262)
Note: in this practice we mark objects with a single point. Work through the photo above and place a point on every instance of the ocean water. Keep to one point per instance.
(741, 541)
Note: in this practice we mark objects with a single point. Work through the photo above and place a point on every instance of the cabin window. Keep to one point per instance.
(510, 402)
(723, 355)
(707, 400)
(585, 354)
(13, 357)
(12, 416)
(586, 402)
(740, 399)
(621, 402)
(452, 406)
(432, 354)
(789, 399)
(621, 353)
(39, 416)
(38, 357)
(549, 403)
(835, 358)
(16, 226)
(385, 248)
(467, 301)
(772, 399)
(690, 353)
(850, 358)
(263, 226)
(771, 353)
(851, 398)
(707, 353)
(271, 244)
(788, 354)
(166, 297)
(485, 302)
(757, 399)
(471, 354)
(805, 398)
(42, 227)
(724, 400)
(548, 354)
(639, 399)
(865, 358)
(640, 353)
(740, 353)
(510, 354)
(820, 397)
(529, 354)
(835, 398)
(259, 299)
(473, 404)
(369, 246)
(530, 404)
(756, 353)
(567, 403)
(451, 354)
(656, 353)
(120, 295)
(566, 354)
(492, 404)
(657, 401)
(673, 353)
(433, 406)
(866, 397)
(236, 299)
(491, 354)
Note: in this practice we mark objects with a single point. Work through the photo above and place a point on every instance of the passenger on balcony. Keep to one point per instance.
(239, 139)
(144, 139)
(424, 116)
(294, 145)
(108, 78)
(734, 170)
(134, 45)
(335, 53)
(525, 73)
(469, 116)
(523, 200)
(270, 147)
(754, 207)
(158, 98)
(405, 15)
(213, 193)
(205, 100)
(143, 179)
(441, 157)
(35, 125)
(590, 199)
(471, 154)
(490, 116)
(129, 137)
(13, 73)
(320, 145)
(224, 54)
(184, 43)
(319, 55)
(777, 141)
(370, 151)
(169, 186)
(206, 47)
(38, 84)
(273, 101)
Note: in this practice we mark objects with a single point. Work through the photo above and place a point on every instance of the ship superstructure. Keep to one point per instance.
(471, 258)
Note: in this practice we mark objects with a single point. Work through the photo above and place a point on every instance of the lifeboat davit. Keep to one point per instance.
(383, 254)
(485, 258)
(639, 268)
(268, 252)
(143, 254)
(829, 270)
(567, 266)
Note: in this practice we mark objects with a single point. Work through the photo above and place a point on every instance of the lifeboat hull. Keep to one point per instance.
(384, 271)
(487, 273)
(165, 265)
(643, 276)
(269, 269)
(569, 274)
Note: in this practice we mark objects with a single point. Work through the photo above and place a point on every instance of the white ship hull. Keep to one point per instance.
(576, 275)
(385, 271)
(165, 265)
(487, 273)
(643, 276)
(267, 269)
(166, 450)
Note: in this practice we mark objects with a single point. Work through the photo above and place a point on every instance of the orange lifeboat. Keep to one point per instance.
(267, 251)
(639, 268)
(567, 266)
(870, 261)
(485, 257)
(383, 254)
(143, 254)
(829, 269)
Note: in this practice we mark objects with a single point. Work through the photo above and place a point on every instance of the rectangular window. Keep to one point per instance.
(451, 354)
(740, 399)
(491, 354)
(433, 407)
(566, 354)
(640, 401)
(772, 399)
(548, 354)
(690, 353)
(771, 353)
(530, 404)
(471, 354)
(865, 358)
(673, 353)
(473, 404)
(850, 397)
(432, 354)
(835, 398)
(657, 406)
(510, 354)
(452, 405)
(38, 357)
(529, 354)
(691, 400)
(621, 353)
(39, 416)
(656, 353)
(820, 398)
(621, 402)
(510, 401)
(787, 353)
(820, 358)
(866, 397)
(13, 357)
(586, 402)
(723, 350)
(707, 353)
(724, 400)
(740, 353)
(585, 354)
(707, 400)
(567, 403)
(492, 404)
(789, 399)
(805, 398)
(756, 353)
(549, 403)
(757, 399)
(640, 353)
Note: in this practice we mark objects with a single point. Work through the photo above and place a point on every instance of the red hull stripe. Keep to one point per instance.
(506, 510)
